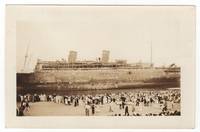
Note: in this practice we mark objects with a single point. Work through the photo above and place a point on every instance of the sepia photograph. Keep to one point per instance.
(102, 61)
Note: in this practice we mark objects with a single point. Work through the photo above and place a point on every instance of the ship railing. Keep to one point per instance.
(95, 68)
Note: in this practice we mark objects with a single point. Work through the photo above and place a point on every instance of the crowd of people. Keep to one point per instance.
(123, 101)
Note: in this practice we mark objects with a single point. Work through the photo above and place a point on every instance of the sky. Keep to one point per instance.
(127, 32)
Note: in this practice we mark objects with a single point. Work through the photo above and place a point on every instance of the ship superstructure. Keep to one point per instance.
(101, 63)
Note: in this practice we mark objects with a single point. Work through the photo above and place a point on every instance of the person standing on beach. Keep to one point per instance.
(93, 109)
(126, 111)
(87, 110)
(133, 109)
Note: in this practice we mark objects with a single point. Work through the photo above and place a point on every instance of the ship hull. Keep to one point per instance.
(95, 80)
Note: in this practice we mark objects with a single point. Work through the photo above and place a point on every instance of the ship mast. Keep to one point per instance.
(29, 60)
(25, 58)
(151, 55)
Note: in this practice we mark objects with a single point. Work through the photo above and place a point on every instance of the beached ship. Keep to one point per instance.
(99, 74)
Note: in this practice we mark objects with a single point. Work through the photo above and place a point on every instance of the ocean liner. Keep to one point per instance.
(99, 74)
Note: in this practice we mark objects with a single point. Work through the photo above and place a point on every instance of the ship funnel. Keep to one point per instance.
(105, 56)
(72, 57)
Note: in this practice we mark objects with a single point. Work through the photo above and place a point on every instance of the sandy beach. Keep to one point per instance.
(55, 109)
